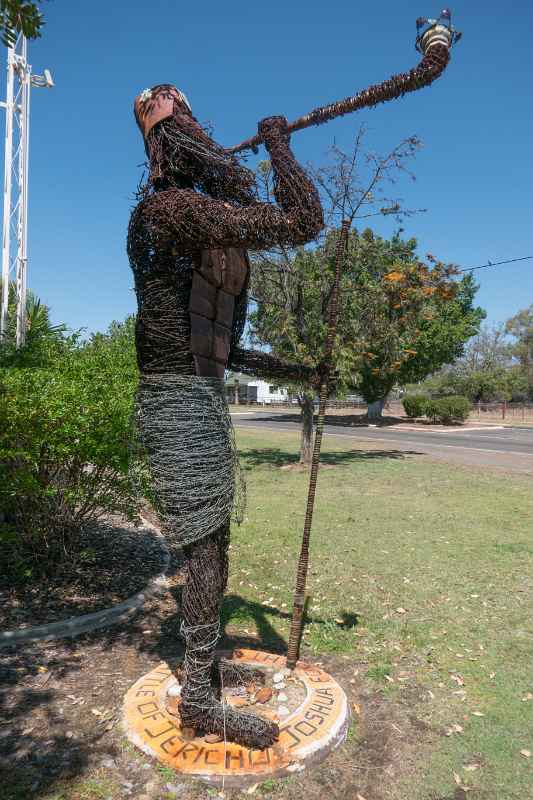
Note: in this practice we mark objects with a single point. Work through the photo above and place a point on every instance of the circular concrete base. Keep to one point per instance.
(307, 735)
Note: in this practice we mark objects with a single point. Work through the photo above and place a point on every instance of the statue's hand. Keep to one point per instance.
(322, 373)
(273, 131)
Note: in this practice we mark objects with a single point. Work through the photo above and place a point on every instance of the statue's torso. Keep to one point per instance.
(216, 286)
(188, 305)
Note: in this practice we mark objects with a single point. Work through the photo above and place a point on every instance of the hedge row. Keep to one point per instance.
(444, 410)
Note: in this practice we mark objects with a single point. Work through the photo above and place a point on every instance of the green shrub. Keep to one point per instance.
(414, 405)
(65, 435)
(431, 409)
(446, 410)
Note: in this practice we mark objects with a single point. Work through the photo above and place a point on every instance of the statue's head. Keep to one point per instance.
(158, 103)
(181, 153)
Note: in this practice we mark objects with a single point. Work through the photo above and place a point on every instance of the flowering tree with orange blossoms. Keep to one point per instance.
(415, 317)
(400, 318)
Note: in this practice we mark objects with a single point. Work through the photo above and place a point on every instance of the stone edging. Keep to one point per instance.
(75, 626)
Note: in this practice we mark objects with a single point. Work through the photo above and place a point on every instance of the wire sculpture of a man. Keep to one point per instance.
(187, 243)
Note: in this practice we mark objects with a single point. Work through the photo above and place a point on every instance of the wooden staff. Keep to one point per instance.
(295, 634)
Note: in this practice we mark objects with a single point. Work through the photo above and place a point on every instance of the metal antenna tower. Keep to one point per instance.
(15, 221)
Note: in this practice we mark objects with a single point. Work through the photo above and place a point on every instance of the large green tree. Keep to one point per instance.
(399, 318)
(423, 323)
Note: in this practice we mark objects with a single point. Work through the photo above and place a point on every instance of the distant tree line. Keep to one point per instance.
(497, 364)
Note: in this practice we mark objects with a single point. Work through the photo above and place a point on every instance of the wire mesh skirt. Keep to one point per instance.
(185, 431)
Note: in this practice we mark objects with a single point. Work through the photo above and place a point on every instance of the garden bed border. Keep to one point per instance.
(75, 626)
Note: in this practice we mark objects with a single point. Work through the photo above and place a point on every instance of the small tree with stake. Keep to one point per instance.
(292, 290)
(399, 319)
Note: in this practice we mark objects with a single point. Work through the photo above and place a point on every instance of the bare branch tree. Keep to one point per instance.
(354, 185)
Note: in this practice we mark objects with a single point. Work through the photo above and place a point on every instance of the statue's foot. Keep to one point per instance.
(235, 726)
(229, 673)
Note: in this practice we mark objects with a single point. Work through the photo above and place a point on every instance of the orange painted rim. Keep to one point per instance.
(307, 734)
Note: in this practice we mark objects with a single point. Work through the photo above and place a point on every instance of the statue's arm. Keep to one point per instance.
(265, 365)
(195, 221)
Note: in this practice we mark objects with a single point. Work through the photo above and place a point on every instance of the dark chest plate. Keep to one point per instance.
(215, 287)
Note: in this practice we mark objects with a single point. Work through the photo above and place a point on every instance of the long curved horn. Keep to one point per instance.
(435, 45)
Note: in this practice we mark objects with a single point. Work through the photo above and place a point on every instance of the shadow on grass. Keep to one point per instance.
(276, 457)
(349, 620)
(238, 611)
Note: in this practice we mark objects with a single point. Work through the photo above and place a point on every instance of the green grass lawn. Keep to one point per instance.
(423, 573)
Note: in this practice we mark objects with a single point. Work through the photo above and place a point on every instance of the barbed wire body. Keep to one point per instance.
(187, 243)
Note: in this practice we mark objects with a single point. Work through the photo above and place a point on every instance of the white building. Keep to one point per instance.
(253, 390)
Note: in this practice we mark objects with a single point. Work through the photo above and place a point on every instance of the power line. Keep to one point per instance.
(495, 264)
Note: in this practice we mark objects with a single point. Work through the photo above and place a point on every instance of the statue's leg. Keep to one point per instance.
(201, 603)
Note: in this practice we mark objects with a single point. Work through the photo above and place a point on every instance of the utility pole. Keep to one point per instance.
(15, 219)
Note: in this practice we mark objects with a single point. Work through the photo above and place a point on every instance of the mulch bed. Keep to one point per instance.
(114, 559)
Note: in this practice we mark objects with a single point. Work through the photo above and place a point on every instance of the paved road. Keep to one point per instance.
(511, 448)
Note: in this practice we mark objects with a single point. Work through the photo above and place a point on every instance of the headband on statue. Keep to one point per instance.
(159, 102)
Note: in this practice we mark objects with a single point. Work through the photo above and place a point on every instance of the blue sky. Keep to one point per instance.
(240, 61)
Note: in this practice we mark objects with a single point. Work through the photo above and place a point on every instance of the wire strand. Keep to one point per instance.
(495, 264)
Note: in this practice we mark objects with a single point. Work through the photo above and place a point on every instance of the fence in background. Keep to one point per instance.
(488, 412)
(511, 412)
